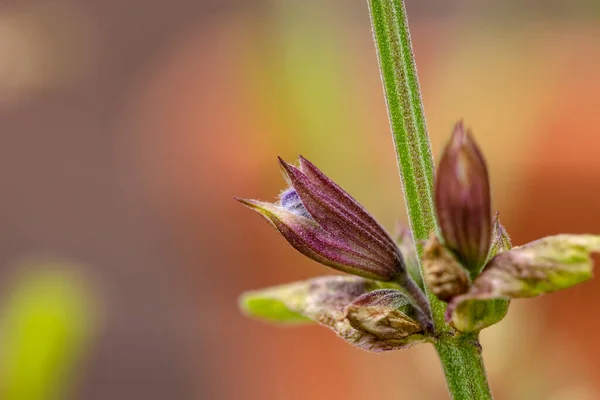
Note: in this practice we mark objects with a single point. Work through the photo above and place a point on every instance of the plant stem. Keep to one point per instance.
(405, 110)
(407, 120)
(459, 354)
(463, 367)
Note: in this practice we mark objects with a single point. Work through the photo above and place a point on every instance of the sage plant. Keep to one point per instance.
(442, 281)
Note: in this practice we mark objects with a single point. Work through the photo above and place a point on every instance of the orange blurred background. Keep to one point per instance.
(128, 126)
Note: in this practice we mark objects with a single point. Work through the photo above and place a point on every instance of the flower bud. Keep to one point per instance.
(443, 275)
(462, 197)
(387, 314)
(323, 222)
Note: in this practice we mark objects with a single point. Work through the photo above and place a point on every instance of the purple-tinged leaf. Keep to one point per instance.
(543, 266)
(324, 300)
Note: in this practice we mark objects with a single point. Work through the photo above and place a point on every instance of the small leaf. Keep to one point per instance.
(542, 266)
(323, 300)
(387, 314)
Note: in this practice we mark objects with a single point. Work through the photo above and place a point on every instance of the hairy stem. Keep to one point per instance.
(463, 367)
(407, 120)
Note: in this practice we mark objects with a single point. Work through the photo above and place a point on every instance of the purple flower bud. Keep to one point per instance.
(323, 222)
(462, 196)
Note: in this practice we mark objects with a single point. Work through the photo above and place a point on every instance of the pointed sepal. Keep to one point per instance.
(500, 239)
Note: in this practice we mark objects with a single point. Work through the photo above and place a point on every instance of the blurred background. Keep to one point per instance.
(127, 127)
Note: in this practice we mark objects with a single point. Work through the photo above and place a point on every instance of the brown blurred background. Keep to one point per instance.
(127, 126)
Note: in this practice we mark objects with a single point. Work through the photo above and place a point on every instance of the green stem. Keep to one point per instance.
(415, 162)
(463, 367)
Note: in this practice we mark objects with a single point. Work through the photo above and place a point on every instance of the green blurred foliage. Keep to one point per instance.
(44, 324)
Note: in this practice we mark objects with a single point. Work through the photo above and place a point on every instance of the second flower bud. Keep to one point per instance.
(462, 197)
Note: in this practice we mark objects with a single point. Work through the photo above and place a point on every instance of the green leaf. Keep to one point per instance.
(322, 300)
(267, 305)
